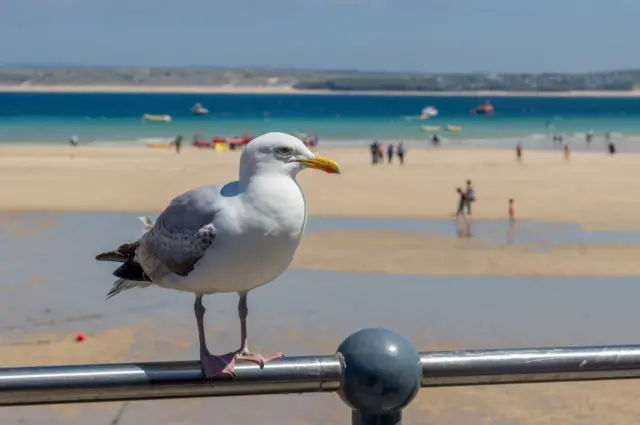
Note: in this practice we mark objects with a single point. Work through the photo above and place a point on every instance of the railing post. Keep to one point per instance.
(381, 375)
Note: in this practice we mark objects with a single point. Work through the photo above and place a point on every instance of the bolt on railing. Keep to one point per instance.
(376, 372)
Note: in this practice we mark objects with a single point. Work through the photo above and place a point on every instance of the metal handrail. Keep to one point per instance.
(376, 372)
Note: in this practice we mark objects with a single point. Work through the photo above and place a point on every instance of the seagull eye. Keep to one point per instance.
(284, 150)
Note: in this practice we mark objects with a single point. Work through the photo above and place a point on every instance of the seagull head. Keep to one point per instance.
(280, 153)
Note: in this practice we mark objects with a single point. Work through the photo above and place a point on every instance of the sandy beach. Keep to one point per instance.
(593, 189)
(286, 89)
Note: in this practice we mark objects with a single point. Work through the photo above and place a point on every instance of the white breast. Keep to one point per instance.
(255, 239)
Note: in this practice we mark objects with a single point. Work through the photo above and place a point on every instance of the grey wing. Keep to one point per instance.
(180, 235)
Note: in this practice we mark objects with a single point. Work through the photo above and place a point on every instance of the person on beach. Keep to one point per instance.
(588, 138)
(470, 196)
(390, 149)
(519, 152)
(178, 143)
(462, 202)
(611, 147)
(512, 211)
(73, 142)
(401, 152)
(567, 151)
(373, 148)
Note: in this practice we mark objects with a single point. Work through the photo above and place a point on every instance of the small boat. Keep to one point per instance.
(198, 109)
(485, 108)
(156, 118)
(202, 143)
(428, 112)
(234, 142)
(307, 138)
(453, 128)
(430, 128)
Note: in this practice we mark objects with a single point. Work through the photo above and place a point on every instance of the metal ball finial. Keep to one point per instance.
(381, 371)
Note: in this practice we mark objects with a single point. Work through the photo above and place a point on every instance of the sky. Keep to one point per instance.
(373, 35)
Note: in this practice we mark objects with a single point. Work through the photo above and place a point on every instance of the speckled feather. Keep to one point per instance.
(180, 235)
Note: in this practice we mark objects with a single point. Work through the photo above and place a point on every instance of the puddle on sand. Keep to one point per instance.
(96, 226)
(493, 231)
(50, 280)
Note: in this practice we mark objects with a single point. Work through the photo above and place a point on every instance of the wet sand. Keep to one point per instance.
(593, 189)
(407, 253)
(51, 289)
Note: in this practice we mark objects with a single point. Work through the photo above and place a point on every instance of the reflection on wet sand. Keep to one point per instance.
(511, 232)
(464, 229)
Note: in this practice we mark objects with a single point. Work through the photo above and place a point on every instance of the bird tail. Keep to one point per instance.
(123, 285)
(130, 269)
(146, 222)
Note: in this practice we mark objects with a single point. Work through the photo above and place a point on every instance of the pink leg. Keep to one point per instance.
(213, 365)
(244, 354)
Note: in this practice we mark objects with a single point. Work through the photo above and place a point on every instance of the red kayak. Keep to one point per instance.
(202, 144)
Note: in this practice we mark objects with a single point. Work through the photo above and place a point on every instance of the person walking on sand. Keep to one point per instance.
(470, 196)
(512, 211)
(73, 142)
(612, 147)
(390, 149)
(373, 148)
(519, 152)
(567, 150)
(178, 143)
(401, 152)
(462, 202)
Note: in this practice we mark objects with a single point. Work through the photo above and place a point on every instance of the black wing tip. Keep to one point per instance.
(131, 271)
(113, 256)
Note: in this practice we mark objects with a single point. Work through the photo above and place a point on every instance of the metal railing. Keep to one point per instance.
(376, 372)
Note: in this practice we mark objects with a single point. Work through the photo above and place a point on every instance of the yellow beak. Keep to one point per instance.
(321, 163)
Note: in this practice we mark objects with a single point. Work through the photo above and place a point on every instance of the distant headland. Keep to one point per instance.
(209, 80)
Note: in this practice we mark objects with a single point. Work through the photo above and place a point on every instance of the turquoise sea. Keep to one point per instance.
(337, 119)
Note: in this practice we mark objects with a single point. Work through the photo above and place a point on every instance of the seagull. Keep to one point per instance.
(224, 239)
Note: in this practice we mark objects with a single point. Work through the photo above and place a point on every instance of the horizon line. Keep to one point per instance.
(305, 70)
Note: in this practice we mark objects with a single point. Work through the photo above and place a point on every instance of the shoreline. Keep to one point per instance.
(288, 90)
(340, 145)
